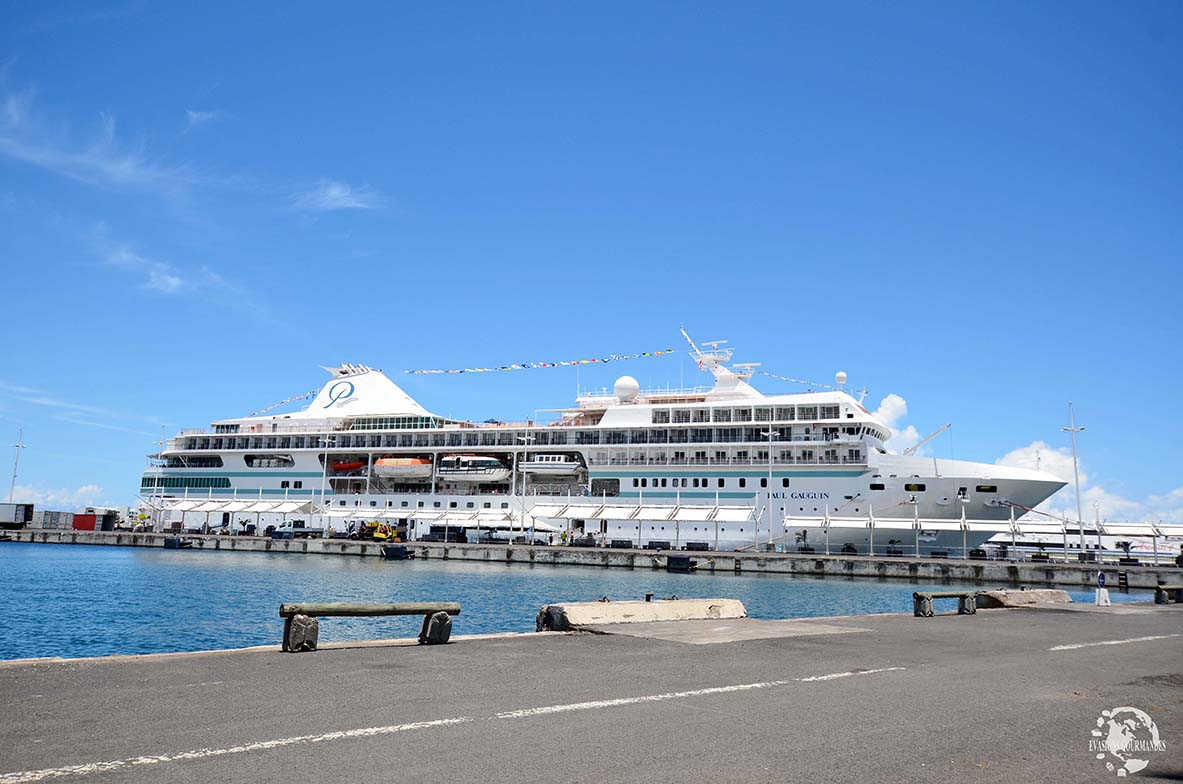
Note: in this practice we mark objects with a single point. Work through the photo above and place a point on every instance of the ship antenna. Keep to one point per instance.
(694, 351)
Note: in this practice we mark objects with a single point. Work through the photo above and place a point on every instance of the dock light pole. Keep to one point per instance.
(771, 433)
(1073, 429)
(526, 441)
(324, 475)
(18, 446)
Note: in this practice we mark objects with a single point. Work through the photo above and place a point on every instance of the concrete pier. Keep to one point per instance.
(812, 564)
(1001, 696)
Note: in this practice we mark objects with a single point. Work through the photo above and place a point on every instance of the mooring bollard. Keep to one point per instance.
(300, 633)
(922, 602)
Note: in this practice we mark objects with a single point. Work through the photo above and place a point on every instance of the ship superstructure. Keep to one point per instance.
(363, 448)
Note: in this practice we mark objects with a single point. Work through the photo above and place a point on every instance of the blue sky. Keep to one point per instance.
(974, 207)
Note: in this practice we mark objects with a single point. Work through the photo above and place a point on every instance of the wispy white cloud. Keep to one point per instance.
(68, 409)
(102, 160)
(156, 274)
(105, 426)
(329, 195)
(1096, 500)
(63, 499)
(196, 117)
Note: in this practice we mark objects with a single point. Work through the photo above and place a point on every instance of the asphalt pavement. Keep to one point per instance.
(1000, 696)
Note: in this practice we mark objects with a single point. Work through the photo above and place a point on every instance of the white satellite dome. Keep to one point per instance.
(840, 378)
(626, 388)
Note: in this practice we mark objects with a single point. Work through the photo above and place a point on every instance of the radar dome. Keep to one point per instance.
(840, 377)
(626, 388)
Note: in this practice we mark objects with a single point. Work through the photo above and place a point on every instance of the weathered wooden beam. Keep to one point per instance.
(353, 609)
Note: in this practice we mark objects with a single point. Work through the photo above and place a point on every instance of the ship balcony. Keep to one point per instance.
(730, 461)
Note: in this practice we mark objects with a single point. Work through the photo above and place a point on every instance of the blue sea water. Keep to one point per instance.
(75, 601)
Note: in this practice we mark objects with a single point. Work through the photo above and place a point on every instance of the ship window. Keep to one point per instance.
(743, 482)
(636, 482)
(914, 488)
(644, 483)
(987, 488)
(763, 481)
(298, 484)
(405, 503)
(269, 461)
(283, 485)
(373, 503)
(878, 486)
(722, 482)
(486, 505)
(340, 503)
(504, 505)
(784, 482)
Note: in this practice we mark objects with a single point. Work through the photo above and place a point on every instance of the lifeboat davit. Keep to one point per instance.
(403, 468)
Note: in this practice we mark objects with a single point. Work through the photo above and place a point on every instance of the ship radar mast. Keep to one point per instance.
(713, 360)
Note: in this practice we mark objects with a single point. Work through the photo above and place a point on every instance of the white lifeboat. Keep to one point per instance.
(472, 468)
(551, 465)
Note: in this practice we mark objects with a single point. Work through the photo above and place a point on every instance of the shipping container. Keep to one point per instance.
(15, 515)
(50, 519)
(84, 522)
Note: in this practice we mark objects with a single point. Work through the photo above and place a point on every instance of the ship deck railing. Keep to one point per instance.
(731, 461)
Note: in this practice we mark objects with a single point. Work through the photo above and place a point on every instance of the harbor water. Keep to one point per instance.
(74, 601)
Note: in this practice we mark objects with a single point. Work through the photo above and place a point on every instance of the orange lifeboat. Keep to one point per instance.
(403, 468)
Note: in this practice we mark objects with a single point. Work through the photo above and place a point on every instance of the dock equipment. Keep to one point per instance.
(922, 602)
(1164, 593)
(300, 629)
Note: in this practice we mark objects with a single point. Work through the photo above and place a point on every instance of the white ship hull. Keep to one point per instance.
(783, 456)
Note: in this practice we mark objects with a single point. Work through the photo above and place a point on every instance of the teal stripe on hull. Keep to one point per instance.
(220, 472)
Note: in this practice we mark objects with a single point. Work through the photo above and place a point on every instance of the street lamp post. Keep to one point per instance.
(771, 433)
(1073, 429)
(526, 441)
(324, 474)
(18, 446)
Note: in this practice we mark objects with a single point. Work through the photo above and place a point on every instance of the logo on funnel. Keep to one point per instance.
(340, 394)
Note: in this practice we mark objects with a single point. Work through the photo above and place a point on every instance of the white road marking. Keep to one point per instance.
(678, 695)
(1113, 642)
(99, 767)
(24, 777)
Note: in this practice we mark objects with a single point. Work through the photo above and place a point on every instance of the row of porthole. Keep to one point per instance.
(436, 504)
(684, 530)
(643, 482)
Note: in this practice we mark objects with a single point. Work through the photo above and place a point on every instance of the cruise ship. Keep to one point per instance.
(720, 466)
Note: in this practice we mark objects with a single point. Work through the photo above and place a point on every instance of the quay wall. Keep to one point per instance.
(1012, 573)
